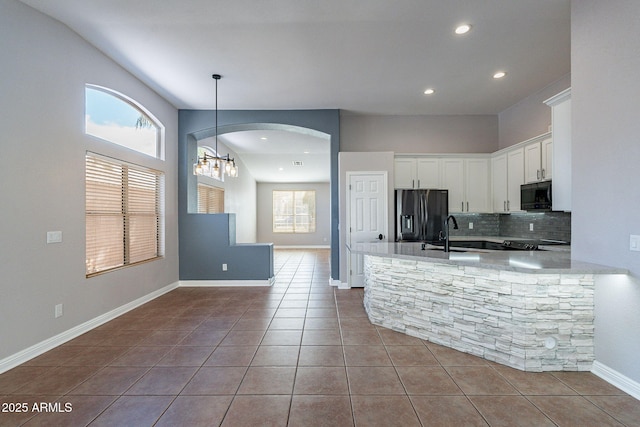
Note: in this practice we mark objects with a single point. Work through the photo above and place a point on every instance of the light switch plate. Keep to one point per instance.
(54, 236)
(634, 243)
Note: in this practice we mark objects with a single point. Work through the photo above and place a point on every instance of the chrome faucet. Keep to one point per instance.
(445, 228)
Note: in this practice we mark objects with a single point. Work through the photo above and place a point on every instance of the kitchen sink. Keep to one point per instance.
(450, 249)
(474, 244)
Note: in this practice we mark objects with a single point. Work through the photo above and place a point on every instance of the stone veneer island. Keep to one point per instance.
(533, 311)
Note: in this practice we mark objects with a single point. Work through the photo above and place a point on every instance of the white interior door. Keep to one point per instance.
(367, 217)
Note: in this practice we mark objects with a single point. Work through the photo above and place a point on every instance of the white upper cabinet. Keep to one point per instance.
(428, 172)
(468, 183)
(538, 161)
(467, 179)
(499, 184)
(417, 173)
(477, 185)
(515, 178)
(507, 171)
(547, 158)
(532, 162)
(453, 180)
(405, 174)
(561, 130)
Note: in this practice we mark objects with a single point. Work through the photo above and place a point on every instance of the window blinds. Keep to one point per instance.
(123, 214)
(210, 199)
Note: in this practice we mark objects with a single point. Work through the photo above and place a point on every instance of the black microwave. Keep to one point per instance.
(536, 196)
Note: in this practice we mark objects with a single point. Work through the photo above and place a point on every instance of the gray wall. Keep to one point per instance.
(245, 262)
(44, 70)
(606, 153)
(419, 134)
(363, 162)
(530, 117)
(239, 195)
(196, 125)
(322, 235)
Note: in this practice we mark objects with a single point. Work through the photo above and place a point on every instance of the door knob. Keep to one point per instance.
(380, 237)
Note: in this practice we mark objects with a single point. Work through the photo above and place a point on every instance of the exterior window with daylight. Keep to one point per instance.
(123, 213)
(116, 118)
(294, 211)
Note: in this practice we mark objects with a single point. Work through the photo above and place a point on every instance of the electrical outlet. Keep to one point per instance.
(470, 226)
(58, 310)
(530, 226)
(54, 236)
(224, 267)
(634, 243)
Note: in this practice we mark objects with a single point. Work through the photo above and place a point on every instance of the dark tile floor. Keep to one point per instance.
(299, 354)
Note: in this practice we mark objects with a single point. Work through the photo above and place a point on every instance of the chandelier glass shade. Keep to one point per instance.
(214, 165)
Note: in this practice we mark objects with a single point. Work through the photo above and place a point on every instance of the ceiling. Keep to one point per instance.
(359, 56)
(269, 155)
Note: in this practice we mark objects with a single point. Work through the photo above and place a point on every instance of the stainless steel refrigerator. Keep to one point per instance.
(420, 214)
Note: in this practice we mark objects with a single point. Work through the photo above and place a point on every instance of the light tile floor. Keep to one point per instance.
(299, 354)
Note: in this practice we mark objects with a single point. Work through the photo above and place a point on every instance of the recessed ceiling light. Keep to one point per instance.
(264, 138)
(305, 152)
(429, 91)
(280, 169)
(462, 29)
(499, 75)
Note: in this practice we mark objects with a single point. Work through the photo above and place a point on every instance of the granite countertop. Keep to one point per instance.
(538, 262)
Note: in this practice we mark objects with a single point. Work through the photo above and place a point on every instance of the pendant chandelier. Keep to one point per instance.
(215, 166)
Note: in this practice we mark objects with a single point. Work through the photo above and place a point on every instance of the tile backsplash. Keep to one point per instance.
(483, 225)
(546, 225)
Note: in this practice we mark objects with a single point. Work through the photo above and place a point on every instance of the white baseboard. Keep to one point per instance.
(615, 378)
(301, 247)
(226, 283)
(53, 342)
(339, 284)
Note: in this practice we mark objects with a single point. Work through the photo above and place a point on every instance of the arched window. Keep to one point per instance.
(116, 118)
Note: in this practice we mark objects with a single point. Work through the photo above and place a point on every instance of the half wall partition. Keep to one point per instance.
(207, 241)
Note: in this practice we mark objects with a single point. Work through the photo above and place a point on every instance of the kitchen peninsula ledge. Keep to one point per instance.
(533, 262)
(533, 311)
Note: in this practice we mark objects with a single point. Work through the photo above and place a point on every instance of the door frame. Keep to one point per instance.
(385, 182)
